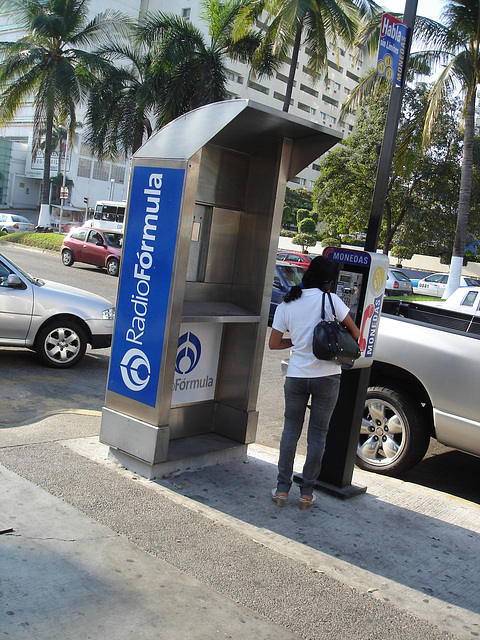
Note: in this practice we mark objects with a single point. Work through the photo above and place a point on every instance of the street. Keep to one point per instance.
(26, 381)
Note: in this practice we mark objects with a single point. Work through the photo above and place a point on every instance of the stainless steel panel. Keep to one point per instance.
(240, 426)
(222, 178)
(222, 246)
(192, 420)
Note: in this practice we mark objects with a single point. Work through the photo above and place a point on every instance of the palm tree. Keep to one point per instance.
(189, 71)
(51, 64)
(121, 101)
(314, 23)
(454, 46)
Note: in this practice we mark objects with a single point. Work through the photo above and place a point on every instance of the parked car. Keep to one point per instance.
(11, 223)
(286, 276)
(436, 283)
(398, 284)
(295, 257)
(465, 300)
(55, 320)
(102, 248)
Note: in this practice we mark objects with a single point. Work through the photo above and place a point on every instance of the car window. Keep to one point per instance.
(81, 234)
(470, 282)
(292, 274)
(3, 218)
(437, 277)
(469, 299)
(401, 276)
(94, 237)
(4, 273)
(114, 239)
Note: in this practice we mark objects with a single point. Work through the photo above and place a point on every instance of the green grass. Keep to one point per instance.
(414, 298)
(51, 241)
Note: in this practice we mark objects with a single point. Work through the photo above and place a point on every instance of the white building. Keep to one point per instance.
(20, 179)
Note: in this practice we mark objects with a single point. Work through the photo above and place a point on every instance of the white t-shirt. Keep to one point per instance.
(299, 317)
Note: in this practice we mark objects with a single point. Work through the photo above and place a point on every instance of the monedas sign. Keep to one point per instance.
(144, 289)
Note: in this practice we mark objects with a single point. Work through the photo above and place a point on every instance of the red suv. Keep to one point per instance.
(94, 246)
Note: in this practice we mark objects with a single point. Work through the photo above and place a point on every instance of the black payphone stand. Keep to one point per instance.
(361, 284)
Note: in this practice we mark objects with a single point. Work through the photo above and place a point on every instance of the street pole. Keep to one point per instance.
(64, 181)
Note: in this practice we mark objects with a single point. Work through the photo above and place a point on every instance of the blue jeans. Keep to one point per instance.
(324, 394)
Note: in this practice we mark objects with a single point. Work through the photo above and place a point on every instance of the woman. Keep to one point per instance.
(307, 376)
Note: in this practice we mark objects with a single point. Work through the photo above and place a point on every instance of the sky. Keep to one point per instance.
(426, 8)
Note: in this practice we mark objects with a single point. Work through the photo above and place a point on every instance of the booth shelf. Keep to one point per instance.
(216, 312)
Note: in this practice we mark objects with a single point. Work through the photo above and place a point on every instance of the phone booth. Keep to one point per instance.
(203, 217)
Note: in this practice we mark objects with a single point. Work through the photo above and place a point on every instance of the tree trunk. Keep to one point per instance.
(293, 68)
(463, 201)
(44, 214)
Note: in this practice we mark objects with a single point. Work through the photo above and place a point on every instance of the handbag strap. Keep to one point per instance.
(331, 304)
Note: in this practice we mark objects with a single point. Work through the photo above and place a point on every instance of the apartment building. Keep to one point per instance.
(20, 178)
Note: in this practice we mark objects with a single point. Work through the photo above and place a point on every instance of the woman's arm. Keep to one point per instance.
(351, 326)
(277, 341)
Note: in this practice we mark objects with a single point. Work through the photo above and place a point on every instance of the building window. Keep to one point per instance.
(335, 66)
(306, 89)
(306, 108)
(332, 120)
(283, 78)
(300, 181)
(258, 87)
(352, 76)
(336, 86)
(84, 167)
(322, 115)
(85, 149)
(329, 100)
(234, 77)
(118, 173)
(101, 171)
(350, 127)
(316, 167)
(312, 184)
(186, 14)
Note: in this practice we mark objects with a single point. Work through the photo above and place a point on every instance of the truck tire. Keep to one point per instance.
(393, 436)
(61, 343)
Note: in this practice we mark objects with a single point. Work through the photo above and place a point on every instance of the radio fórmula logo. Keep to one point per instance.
(135, 369)
(188, 353)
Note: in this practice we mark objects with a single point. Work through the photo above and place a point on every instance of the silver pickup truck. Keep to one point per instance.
(423, 384)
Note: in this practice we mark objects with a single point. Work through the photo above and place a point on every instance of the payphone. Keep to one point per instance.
(360, 284)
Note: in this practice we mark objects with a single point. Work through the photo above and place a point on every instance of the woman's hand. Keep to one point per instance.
(277, 341)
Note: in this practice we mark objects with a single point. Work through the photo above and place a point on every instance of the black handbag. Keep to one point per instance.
(333, 341)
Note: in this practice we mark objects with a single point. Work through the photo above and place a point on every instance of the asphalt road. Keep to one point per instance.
(25, 381)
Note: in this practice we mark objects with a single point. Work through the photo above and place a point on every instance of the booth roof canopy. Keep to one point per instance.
(239, 125)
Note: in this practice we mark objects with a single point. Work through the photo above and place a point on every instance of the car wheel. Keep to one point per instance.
(61, 343)
(67, 257)
(393, 435)
(113, 267)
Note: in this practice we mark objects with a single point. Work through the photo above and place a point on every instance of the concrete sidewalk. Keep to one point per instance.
(95, 551)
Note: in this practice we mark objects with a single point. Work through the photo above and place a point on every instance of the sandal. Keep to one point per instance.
(280, 500)
(304, 503)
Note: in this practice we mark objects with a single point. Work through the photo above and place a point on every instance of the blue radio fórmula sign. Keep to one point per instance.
(392, 49)
(144, 288)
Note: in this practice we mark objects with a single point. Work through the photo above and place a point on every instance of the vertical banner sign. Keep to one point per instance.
(391, 49)
(144, 289)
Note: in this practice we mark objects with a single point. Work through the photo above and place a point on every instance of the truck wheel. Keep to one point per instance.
(393, 436)
(61, 344)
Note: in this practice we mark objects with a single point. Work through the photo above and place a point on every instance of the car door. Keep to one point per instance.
(94, 251)
(16, 307)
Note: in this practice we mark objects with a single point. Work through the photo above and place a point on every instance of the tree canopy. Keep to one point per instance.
(420, 210)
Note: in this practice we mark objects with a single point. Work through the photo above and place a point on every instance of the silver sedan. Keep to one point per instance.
(12, 223)
(55, 320)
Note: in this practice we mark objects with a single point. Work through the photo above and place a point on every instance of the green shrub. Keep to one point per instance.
(51, 241)
(331, 242)
(304, 240)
